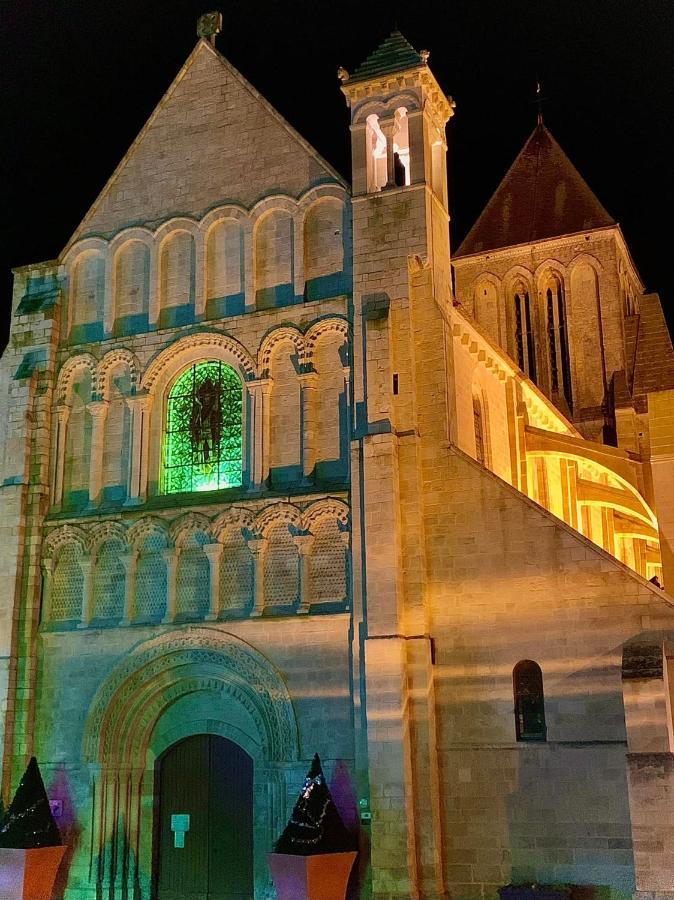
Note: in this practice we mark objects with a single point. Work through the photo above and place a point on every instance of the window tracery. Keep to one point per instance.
(203, 442)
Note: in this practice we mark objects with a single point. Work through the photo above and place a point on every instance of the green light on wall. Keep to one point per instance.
(203, 446)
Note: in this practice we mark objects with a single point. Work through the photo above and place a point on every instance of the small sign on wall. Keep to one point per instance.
(180, 824)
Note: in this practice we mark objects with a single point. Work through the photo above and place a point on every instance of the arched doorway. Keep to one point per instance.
(203, 783)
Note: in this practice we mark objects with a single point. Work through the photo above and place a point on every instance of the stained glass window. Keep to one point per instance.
(203, 438)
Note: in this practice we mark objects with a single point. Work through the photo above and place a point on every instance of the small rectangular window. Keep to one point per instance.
(395, 383)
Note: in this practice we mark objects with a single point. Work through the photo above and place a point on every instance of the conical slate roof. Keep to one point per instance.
(543, 195)
(395, 54)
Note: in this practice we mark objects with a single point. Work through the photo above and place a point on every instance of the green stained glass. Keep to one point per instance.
(203, 445)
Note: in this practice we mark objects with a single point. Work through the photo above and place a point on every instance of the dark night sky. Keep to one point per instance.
(80, 77)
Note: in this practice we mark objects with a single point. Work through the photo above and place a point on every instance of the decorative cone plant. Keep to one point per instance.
(315, 825)
(28, 822)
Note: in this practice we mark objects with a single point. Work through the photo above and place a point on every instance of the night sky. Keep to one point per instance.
(80, 78)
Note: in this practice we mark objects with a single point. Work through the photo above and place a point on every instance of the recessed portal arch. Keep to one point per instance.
(190, 681)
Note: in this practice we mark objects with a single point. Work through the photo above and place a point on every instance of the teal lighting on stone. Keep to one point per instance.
(395, 54)
(42, 292)
(203, 447)
(34, 360)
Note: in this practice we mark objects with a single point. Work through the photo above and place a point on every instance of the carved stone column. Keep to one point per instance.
(200, 279)
(130, 562)
(171, 559)
(214, 555)
(650, 762)
(63, 414)
(47, 586)
(387, 127)
(257, 546)
(259, 393)
(249, 266)
(154, 300)
(309, 384)
(304, 544)
(87, 566)
(298, 260)
(98, 410)
(139, 405)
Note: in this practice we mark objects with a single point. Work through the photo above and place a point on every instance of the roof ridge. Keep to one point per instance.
(542, 195)
(393, 54)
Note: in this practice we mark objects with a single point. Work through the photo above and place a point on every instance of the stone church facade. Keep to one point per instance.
(280, 469)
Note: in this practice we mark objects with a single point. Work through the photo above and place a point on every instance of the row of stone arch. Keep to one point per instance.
(232, 260)
(281, 560)
(548, 320)
(109, 417)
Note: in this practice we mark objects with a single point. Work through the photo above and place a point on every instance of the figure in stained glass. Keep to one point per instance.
(203, 445)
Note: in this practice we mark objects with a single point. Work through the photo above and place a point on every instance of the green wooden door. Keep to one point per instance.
(209, 779)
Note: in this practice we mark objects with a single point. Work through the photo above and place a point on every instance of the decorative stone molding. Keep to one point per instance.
(107, 531)
(69, 370)
(277, 513)
(121, 356)
(144, 528)
(205, 343)
(128, 704)
(186, 525)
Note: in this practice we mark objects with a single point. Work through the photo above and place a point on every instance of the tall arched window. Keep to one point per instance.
(529, 701)
(558, 343)
(203, 441)
(401, 148)
(375, 149)
(478, 426)
(524, 333)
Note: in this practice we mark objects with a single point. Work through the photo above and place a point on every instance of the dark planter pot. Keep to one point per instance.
(29, 874)
(541, 892)
(321, 877)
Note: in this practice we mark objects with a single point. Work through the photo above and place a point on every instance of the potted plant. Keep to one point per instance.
(30, 844)
(534, 891)
(313, 858)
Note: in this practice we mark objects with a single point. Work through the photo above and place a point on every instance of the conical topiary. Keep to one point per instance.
(315, 825)
(28, 822)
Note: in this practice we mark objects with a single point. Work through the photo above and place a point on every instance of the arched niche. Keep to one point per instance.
(274, 250)
(324, 248)
(225, 280)
(131, 287)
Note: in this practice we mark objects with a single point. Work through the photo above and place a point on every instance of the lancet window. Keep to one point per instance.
(203, 440)
(558, 344)
(529, 701)
(524, 334)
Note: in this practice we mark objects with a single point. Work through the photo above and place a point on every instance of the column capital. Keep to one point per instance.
(256, 544)
(48, 564)
(63, 413)
(98, 408)
(170, 555)
(86, 562)
(263, 385)
(140, 402)
(129, 559)
(308, 379)
(304, 543)
(213, 551)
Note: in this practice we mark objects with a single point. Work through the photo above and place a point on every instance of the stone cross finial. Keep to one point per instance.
(209, 25)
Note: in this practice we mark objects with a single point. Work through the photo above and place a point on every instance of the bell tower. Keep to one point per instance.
(401, 273)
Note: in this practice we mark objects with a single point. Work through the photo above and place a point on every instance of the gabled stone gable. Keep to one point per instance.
(212, 139)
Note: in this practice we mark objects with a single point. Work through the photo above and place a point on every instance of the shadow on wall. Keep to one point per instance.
(567, 813)
(343, 793)
(59, 790)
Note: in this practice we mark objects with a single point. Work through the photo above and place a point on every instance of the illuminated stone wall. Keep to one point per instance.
(412, 516)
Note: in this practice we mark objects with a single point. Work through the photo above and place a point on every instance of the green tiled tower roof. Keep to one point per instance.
(394, 55)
